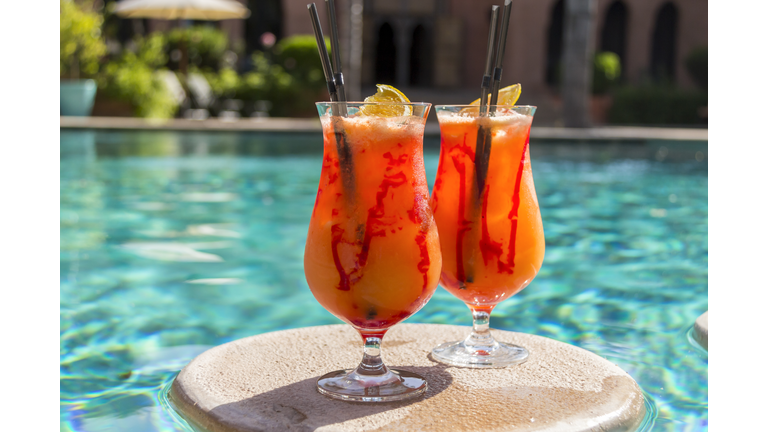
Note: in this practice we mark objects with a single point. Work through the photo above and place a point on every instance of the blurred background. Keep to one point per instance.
(646, 60)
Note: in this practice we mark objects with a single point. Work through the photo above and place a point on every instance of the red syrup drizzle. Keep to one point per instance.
(317, 200)
(376, 212)
(403, 158)
(439, 179)
(381, 323)
(337, 236)
(437, 187)
(377, 328)
(464, 225)
(417, 217)
(372, 225)
(490, 248)
(332, 176)
(337, 232)
(516, 206)
(423, 265)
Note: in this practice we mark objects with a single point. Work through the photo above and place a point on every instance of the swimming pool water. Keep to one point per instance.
(167, 250)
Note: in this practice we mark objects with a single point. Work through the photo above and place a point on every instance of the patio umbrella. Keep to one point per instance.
(208, 10)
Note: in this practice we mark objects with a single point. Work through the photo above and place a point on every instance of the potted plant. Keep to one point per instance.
(606, 73)
(81, 50)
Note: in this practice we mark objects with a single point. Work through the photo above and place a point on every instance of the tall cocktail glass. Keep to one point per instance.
(372, 256)
(488, 217)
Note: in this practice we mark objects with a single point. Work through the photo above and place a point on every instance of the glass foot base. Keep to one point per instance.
(395, 385)
(498, 355)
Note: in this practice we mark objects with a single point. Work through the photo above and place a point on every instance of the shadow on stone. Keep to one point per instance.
(300, 407)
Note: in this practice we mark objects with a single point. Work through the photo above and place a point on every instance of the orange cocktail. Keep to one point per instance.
(372, 256)
(487, 214)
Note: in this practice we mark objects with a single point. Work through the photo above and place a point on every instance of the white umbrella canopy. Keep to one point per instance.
(208, 10)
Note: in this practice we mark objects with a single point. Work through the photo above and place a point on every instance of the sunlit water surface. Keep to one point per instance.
(170, 248)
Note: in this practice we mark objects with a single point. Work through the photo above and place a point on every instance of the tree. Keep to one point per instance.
(577, 61)
(81, 46)
(349, 16)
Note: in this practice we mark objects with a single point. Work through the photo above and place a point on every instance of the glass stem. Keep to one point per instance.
(480, 338)
(372, 364)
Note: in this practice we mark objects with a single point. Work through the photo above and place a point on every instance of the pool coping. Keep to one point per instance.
(701, 330)
(275, 124)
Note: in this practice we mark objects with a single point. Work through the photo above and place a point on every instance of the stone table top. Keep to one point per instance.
(701, 330)
(267, 383)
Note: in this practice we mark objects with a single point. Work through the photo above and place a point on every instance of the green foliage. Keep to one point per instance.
(81, 46)
(253, 86)
(696, 64)
(606, 72)
(293, 82)
(657, 105)
(299, 57)
(205, 46)
(291, 77)
(268, 81)
(135, 78)
(224, 84)
(152, 50)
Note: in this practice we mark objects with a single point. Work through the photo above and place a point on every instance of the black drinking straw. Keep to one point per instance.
(496, 83)
(485, 87)
(484, 133)
(321, 49)
(345, 157)
(483, 155)
(338, 77)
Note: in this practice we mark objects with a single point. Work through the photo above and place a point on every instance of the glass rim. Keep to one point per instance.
(426, 104)
(498, 106)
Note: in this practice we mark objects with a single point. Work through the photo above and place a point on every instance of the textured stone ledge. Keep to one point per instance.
(267, 382)
(701, 330)
(259, 124)
(275, 124)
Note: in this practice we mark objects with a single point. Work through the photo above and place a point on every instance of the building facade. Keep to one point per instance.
(435, 46)
(442, 43)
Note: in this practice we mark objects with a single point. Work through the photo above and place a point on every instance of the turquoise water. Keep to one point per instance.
(172, 243)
